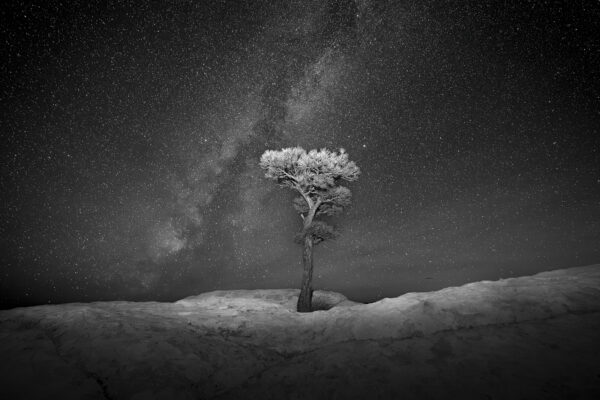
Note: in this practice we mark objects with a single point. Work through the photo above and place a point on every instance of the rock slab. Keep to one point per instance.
(531, 337)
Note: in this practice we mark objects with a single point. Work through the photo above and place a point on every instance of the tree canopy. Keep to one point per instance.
(315, 175)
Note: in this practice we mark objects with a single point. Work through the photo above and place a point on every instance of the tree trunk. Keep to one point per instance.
(306, 291)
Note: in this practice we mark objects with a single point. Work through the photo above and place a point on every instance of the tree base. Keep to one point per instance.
(305, 301)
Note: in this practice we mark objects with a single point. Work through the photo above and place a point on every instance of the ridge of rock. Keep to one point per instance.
(235, 344)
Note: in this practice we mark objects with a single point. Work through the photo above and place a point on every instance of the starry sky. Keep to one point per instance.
(132, 131)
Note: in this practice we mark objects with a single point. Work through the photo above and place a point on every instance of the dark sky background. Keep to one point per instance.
(131, 133)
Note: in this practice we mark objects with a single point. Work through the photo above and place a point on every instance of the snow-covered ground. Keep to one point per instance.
(523, 338)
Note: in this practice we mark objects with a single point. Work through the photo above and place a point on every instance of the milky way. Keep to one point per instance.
(132, 137)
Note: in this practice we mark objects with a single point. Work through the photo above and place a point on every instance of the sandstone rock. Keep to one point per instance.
(529, 337)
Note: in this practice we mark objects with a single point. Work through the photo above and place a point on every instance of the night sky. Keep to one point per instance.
(131, 134)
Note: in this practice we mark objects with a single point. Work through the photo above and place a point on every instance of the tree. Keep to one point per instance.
(316, 176)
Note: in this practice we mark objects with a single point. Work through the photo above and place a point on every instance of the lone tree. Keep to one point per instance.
(316, 176)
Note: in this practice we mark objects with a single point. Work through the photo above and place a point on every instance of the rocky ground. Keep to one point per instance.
(521, 338)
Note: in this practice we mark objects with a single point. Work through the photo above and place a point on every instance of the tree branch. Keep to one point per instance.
(305, 195)
(292, 177)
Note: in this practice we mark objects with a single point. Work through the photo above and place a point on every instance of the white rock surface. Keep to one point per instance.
(531, 337)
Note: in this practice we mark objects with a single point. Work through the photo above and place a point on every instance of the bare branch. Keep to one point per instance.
(292, 177)
(305, 195)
